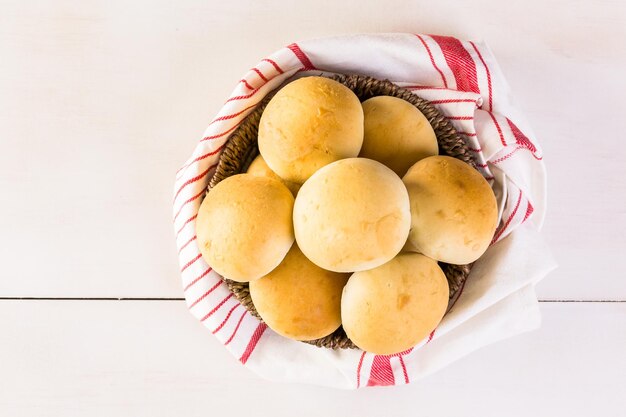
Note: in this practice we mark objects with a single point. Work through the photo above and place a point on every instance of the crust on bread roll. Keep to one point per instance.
(454, 212)
(298, 299)
(244, 226)
(396, 133)
(309, 123)
(259, 167)
(352, 215)
(391, 308)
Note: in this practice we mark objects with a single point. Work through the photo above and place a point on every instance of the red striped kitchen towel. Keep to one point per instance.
(464, 81)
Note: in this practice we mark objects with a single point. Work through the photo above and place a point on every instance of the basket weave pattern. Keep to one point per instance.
(241, 149)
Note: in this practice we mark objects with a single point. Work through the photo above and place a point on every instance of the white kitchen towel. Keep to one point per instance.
(497, 301)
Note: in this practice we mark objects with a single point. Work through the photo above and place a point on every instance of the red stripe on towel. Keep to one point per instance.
(232, 336)
(217, 307)
(308, 65)
(495, 122)
(381, 373)
(206, 294)
(254, 340)
(460, 62)
(508, 221)
(230, 312)
(406, 375)
(202, 275)
(187, 243)
(188, 264)
(271, 61)
(488, 75)
(432, 61)
(260, 74)
(523, 141)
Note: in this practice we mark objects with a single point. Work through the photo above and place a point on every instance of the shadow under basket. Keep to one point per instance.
(241, 149)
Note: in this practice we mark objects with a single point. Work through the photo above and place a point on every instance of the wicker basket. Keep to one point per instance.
(241, 149)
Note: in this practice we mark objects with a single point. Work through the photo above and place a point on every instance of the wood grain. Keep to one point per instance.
(101, 102)
(104, 358)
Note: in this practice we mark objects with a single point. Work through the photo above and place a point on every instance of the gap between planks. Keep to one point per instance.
(182, 299)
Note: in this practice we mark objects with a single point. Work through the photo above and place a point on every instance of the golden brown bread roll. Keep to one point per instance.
(244, 226)
(454, 212)
(259, 167)
(396, 133)
(309, 123)
(393, 307)
(298, 299)
(352, 215)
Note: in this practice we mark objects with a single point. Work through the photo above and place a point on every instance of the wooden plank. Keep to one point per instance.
(101, 102)
(103, 358)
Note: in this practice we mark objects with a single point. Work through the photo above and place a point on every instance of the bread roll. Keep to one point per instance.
(309, 123)
(454, 212)
(352, 215)
(244, 226)
(396, 133)
(391, 308)
(298, 299)
(259, 168)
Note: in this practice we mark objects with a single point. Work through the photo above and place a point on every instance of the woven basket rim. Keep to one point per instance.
(241, 148)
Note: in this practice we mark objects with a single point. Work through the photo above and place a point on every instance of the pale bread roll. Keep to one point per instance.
(298, 299)
(259, 167)
(393, 307)
(310, 123)
(352, 215)
(454, 212)
(244, 226)
(396, 133)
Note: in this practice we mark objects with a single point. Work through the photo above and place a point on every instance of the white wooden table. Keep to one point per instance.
(101, 102)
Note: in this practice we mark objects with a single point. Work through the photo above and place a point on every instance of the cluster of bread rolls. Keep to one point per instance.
(343, 217)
